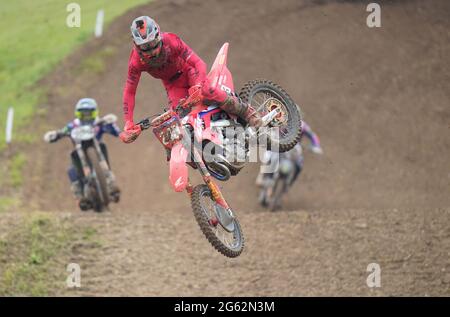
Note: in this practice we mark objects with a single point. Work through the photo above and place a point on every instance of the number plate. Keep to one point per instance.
(169, 132)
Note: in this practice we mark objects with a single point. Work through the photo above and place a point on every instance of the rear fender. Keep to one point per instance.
(178, 176)
(220, 78)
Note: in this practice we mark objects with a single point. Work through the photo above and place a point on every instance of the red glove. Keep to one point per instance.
(193, 89)
(130, 132)
(195, 94)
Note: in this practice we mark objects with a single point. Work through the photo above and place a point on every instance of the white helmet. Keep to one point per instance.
(146, 33)
(86, 109)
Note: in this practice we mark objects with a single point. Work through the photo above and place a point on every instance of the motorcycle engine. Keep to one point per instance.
(230, 155)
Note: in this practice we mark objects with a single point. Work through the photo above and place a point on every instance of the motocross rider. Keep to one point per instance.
(165, 56)
(295, 155)
(86, 113)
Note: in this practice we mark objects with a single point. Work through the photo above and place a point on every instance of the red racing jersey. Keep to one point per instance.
(174, 59)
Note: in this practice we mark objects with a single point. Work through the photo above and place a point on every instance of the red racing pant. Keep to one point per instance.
(178, 87)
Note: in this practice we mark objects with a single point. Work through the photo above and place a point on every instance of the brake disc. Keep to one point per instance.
(225, 218)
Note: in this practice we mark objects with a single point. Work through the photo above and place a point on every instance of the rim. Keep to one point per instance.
(264, 100)
(230, 239)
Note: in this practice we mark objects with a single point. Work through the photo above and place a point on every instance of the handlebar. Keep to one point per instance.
(195, 96)
(144, 124)
(148, 122)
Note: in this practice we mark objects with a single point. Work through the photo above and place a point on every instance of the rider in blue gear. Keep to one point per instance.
(86, 113)
(295, 155)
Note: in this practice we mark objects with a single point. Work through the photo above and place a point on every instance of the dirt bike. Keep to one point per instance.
(286, 167)
(276, 184)
(94, 164)
(194, 126)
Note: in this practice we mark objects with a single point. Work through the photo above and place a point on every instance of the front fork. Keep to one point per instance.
(110, 178)
(223, 211)
(87, 169)
(84, 164)
(102, 159)
(215, 191)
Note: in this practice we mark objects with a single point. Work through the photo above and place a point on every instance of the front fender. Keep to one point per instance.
(178, 176)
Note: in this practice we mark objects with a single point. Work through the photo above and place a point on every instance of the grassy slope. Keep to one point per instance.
(34, 37)
(36, 250)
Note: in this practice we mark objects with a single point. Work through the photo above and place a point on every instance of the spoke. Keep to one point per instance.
(207, 207)
(264, 99)
(224, 239)
(258, 107)
(264, 95)
(261, 97)
(258, 98)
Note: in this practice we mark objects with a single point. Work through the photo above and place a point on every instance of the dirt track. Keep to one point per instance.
(379, 100)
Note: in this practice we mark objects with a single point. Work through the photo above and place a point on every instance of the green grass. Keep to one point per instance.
(28, 256)
(15, 170)
(35, 249)
(90, 236)
(95, 63)
(7, 203)
(34, 37)
(11, 171)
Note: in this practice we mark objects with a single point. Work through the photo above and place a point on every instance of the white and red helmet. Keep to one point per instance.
(146, 33)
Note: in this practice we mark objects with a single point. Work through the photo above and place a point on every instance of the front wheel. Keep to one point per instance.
(227, 239)
(265, 96)
(277, 191)
(100, 188)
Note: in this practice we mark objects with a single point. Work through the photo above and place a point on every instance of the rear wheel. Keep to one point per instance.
(277, 192)
(101, 189)
(208, 214)
(265, 96)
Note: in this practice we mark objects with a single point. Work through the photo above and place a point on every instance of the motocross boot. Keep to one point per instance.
(114, 190)
(234, 105)
(77, 191)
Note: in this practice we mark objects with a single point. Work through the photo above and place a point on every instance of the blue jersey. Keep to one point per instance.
(296, 153)
(102, 128)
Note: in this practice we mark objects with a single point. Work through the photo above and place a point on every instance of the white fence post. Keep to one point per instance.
(99, 23)
(9, 125)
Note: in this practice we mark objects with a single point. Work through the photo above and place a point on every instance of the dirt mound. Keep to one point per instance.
(378, 98)
(287, 254)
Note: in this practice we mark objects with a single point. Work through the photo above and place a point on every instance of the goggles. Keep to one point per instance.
(150, 46)
(86, 115)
